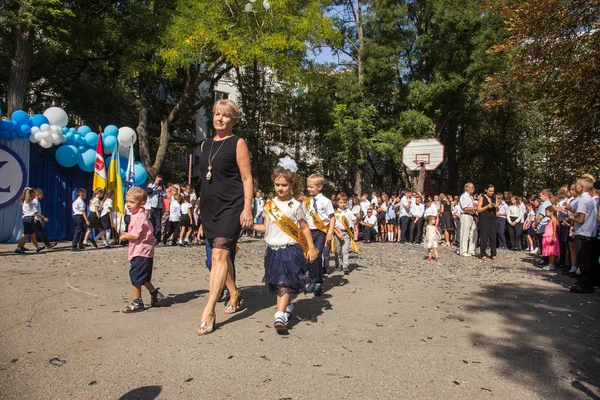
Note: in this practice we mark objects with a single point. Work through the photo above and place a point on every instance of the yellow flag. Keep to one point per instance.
(114, 181)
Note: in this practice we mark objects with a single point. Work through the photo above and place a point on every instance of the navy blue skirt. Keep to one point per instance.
(285, 270)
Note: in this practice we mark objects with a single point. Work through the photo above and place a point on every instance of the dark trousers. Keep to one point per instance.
(515, 233)
(487, 236)
(405, 223)
(37, 229)
(370, 234)
(127, 220)
(326, 255)
(315, 268)
(587, 265)
(80, 229)
(155, 216)
(416, 231)
(563, 241)
(173, 228)
(501, 224)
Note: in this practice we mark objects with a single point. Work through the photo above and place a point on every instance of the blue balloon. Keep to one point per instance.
(123, 167)
(140, 173)
(87, 160)
(20, 117)
(3, 135)
(82, 148)
(25, 131)
(76, 137)
(73, 130)
(38, 120)
(109, 143)
(91, 139)
(65, 130)
(83, 130)
(110, 130)
(67, 156)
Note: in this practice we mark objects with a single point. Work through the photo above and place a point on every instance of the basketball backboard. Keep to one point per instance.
(426, 152)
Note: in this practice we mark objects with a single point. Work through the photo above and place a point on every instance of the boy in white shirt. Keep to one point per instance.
(369, 223)
(174, 216)
(343, 232)
(417, 212)
(585, 225)
(320, 213)
(81, 221)
(405, 220)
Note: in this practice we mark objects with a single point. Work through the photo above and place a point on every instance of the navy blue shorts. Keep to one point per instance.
(141, 270)
(28, 226)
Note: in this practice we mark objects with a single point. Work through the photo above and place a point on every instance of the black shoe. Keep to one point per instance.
(318, 290)
(19, 251)
(25, 248)
(567, 272)
(581, 289)
(74, 248)
(93, 242)
(51, 245)
(156, 297)
(81, 247)
(39, 248)
(574, 274)
(310, 288)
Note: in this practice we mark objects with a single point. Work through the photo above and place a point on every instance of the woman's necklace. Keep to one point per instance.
(210, 159)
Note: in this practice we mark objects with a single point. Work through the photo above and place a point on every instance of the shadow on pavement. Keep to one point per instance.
(142, 393)
(538, 328)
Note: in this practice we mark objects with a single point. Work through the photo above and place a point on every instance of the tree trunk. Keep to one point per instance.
(20, 67)
(358, 180)
(142, 128)
(361, 43)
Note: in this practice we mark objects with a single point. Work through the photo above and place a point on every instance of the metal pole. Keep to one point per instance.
(190, 171)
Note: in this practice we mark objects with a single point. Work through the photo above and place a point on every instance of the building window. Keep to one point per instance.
(221, 95)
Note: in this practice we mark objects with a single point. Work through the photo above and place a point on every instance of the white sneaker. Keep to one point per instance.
(549, 267)
(466, 255)
(533, 251)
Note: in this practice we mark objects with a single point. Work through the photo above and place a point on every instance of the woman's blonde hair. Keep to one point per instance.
(228, 105)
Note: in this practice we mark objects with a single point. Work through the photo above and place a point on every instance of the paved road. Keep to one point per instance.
(396, 327)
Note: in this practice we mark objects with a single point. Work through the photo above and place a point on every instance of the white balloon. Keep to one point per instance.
(44, 135)
(39, 136)
(44, 127)
(32, 139)
(57, 116)
(124, 151)
(45, 144)
(56, 128)
(63, 138)
(35, 129)
(126, 136)
(55, 138)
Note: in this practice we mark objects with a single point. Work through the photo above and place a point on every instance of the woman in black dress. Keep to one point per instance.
(447, 220)
(486, 210)
(226, 205)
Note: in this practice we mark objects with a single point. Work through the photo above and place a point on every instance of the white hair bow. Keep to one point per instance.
(288, 163)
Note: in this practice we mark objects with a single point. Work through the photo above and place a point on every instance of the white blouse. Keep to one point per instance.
(274, 236)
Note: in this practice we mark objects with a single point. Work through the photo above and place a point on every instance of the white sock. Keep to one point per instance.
(578, 271)
(573, 269)
(107, 238)
(289, 309)
(390, 236)
(281, 314)
(98, 236)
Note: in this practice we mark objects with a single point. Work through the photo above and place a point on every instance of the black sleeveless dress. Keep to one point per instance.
(222, 197)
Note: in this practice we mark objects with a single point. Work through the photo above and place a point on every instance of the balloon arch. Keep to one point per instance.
(76, 146)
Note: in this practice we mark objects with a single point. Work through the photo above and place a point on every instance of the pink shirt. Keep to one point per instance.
(141, 227)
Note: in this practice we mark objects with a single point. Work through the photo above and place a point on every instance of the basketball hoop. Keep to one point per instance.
(428, 153)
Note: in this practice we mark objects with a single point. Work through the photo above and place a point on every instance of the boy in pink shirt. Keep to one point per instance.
(141, 251)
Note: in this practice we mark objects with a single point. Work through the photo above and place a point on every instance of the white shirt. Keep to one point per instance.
(274, 236)
(371, 220)
(561, 216)
(466, 201)
(78, 206)
(324, 209)
(38, 207)
(185, 207)
(356, 210)
(523, 209)
(364, 206)
(417, 210)
(174, 211)
(514, 214)
(587, 207)
(503, 208)
(346, 213)
(260, 204)
(106, 207)
(94, 204)
(29, 209)
(405, 205)
(193, 197)
(431, 210)
(457, 210)
(374, 201)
